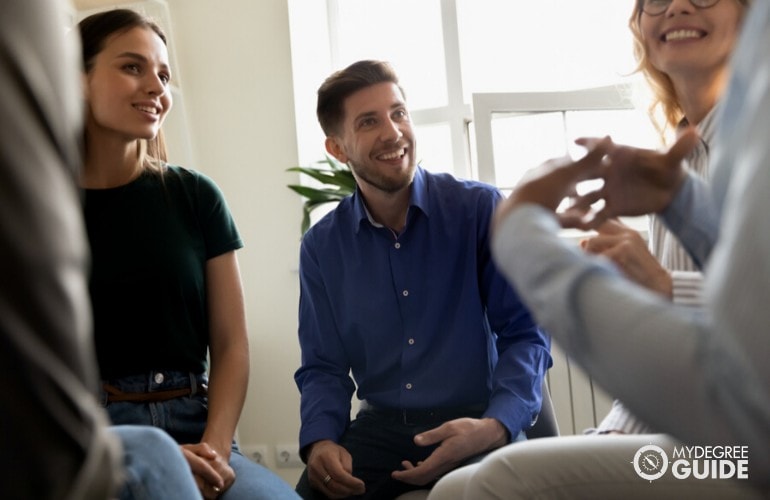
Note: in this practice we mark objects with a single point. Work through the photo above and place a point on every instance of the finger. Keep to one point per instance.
(336, 479)
(201, 449)
(211, 492)
(202, 468)
(589, 142)
(584, 201)
(572, 219)
(600, 244)
(683, 146)
(613, 227)
(589, 166)
(425, 472)
(597, 219)
(342, 487)
(433, 436)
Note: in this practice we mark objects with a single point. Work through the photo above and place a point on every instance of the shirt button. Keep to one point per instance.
(408, 386)
(159, 378)
(397, 245)
(405, 293)
(411, 341)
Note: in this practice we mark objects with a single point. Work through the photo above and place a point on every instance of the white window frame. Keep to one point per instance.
(457, 114)
(485, 105)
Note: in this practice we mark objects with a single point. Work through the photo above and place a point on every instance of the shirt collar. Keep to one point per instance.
(705, 128)
(418, 198)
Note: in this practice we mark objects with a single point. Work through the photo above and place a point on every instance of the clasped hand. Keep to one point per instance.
(211, 470)
(636, 182)
(330, 466)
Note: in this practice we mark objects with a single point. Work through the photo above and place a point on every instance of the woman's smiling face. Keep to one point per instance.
(687, 40)
(127, 86)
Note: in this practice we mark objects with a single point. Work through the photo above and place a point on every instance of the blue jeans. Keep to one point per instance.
(154, 466)
(184, 419)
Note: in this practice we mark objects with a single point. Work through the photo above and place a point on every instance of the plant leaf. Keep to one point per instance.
(343, 179)
(337, 183)
(315, 193)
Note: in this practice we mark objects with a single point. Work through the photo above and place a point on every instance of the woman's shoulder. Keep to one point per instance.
(189, 177)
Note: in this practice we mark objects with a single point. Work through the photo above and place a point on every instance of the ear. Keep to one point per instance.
(334, 148)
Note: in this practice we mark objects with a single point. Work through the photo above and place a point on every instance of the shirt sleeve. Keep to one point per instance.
(620, 419)
(219, 229)
(523, 348)
(694, 219)
(323, 378)
(633, 341)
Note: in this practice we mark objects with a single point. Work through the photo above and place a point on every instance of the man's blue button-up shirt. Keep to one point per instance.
(421, 320)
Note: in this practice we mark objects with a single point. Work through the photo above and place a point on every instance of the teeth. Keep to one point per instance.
(393, 155)
(147, 109)
(682, 35)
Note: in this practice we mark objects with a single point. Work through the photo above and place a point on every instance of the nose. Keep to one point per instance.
(390, 131)
(154, 85)
(679, 7)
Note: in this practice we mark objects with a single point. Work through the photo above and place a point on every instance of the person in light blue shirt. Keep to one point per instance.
(398, 288)
(700, 375)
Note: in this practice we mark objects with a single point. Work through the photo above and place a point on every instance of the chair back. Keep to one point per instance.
(545, 425)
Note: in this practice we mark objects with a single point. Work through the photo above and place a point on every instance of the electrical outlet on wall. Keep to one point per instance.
(256, 453)
(287, 455)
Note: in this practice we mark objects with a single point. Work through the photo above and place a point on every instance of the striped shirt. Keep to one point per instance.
(687, 281)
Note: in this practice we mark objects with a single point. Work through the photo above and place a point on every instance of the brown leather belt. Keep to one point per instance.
(115, 395)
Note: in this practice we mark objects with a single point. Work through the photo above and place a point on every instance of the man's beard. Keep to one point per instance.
(387, 184)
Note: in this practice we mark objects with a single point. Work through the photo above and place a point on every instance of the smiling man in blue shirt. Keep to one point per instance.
(398, 288)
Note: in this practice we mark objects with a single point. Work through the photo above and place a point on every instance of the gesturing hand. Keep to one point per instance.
(640, 181)
(557, 179)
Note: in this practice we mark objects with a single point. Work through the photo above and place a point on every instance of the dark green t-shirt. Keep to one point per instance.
(150, 241)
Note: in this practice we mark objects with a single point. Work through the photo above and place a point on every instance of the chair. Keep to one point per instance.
(545, 424)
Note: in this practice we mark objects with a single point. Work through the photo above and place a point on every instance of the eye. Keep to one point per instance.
(401, 114)
(165, 78)
(366, 122)
(132, 68)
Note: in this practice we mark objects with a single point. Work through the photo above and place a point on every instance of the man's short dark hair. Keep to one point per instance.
(343, 83)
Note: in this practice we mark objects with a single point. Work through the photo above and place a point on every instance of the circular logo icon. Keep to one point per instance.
(650, 462)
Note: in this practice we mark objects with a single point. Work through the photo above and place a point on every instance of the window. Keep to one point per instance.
(516, 131)
(447, 50)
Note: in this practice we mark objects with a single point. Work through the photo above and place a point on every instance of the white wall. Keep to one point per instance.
(235, 66)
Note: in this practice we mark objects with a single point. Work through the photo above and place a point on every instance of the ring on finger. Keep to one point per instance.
(327, 479)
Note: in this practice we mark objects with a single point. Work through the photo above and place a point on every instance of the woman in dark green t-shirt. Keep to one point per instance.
(165, 284)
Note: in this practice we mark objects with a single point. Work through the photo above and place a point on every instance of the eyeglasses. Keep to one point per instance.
(658, 7)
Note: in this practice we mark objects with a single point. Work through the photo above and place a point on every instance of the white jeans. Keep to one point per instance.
(580, 467)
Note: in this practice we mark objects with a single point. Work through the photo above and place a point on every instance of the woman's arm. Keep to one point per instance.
(229, 351)
(228, 375)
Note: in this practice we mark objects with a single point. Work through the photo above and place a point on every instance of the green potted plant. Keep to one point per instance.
(336, 181)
